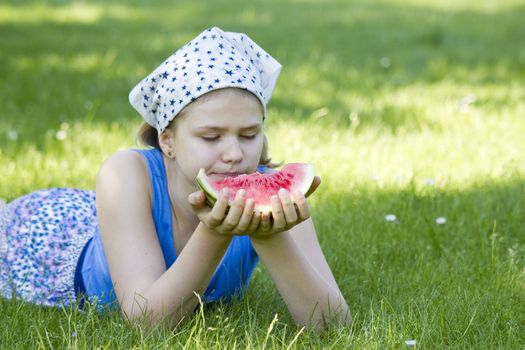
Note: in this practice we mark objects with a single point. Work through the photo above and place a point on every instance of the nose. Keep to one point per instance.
(232, 152)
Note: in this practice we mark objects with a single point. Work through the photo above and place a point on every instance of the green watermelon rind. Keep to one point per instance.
(212, 195)
(209, 192)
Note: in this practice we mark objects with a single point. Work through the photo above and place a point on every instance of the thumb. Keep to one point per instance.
(196, 199)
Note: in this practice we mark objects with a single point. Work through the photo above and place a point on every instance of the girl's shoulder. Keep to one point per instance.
(126, 162)
(124, 170)
(127, 158)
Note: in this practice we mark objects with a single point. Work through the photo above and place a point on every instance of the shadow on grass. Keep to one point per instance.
(335, 52)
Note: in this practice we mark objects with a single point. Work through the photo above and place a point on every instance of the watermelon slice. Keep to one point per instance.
(260, 187)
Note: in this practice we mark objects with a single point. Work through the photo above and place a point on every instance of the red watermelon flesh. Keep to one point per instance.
(259, 187)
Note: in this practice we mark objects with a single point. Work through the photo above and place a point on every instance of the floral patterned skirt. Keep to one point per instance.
(41, 237)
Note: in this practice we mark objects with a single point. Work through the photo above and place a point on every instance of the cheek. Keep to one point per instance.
(194, 154)
(259, 149)
(254, 150)
(199, 152)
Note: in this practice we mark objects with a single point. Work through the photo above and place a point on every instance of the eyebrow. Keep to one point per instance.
(218, 128)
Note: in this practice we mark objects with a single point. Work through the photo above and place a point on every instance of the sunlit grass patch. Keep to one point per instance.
(68, 156)
(492, 148)
(72, 13)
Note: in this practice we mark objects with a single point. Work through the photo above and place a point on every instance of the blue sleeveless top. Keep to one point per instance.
(230, 278)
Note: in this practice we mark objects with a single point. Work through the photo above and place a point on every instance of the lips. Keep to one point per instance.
(225, 175)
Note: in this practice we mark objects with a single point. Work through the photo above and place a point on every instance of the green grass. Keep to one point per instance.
(412, 108)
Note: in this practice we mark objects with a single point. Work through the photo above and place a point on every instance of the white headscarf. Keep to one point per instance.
(213, 60)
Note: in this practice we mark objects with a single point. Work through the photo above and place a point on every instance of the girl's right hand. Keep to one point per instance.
(239, 219)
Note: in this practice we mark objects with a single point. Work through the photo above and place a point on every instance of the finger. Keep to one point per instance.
(279, 221)
(197, 199)
(236, 209)
(290, 214)
(265, 221)
(256, 219)
(302, 206)
(315, 183)
(246, 217)
(219, 209)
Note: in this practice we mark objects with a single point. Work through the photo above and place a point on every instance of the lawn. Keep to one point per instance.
(412, 112)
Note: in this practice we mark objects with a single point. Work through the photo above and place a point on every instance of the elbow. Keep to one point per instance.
(328, 315)
(150, 311)
(338, 315)
(152, 318)
(342, 318)
(137, 314)
(329, 321)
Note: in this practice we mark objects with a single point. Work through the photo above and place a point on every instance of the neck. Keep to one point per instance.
(179, 189)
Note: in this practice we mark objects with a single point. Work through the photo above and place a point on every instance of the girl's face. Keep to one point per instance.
(222, 133)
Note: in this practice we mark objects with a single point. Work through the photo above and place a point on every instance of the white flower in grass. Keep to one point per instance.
(12, 135)
(61, 135)
(410, 342)
(441, 220)
(385, 62)
(464, 105)
(400, 178)
(390, 218)
(430, 182)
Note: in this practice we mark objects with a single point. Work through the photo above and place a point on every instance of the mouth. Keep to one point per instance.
(225, 175)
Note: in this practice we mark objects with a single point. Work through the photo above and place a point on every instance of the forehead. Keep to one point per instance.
(224, 108)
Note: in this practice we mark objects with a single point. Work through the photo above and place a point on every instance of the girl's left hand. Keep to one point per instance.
(285, 212)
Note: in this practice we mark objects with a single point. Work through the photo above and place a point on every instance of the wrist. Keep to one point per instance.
(266, 239)
(212, 235)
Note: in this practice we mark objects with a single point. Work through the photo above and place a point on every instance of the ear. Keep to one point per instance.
(166, 143)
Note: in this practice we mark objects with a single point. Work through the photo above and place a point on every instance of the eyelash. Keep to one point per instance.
(211, 139)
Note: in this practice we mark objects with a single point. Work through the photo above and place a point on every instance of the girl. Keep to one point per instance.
(148, 243)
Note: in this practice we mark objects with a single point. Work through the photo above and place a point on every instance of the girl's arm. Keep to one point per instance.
(302, 276)
(142, 284)
(305, 236)
(297, 264)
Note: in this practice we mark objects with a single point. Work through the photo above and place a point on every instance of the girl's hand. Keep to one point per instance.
(238, 219)
(285, 213)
